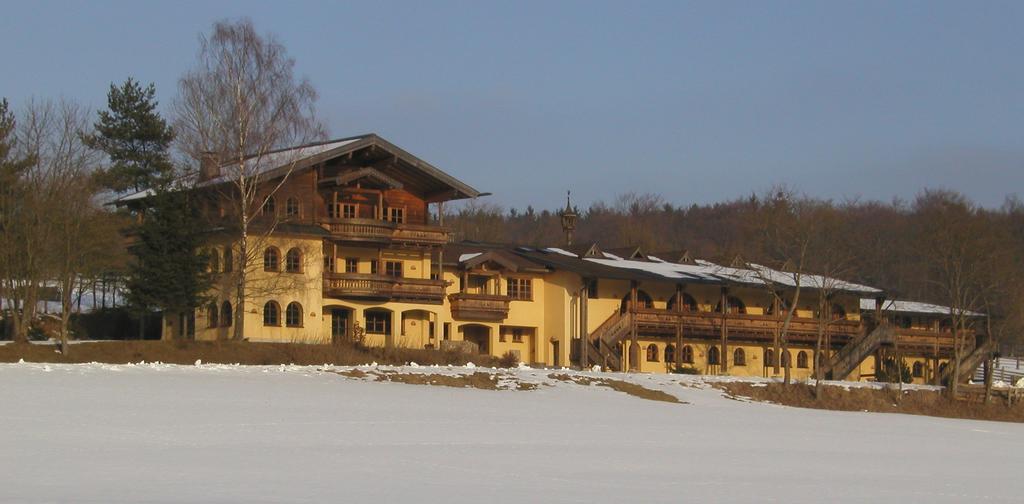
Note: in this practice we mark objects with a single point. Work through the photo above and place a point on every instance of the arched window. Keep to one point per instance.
(739, 357)
(735, 305)
(784, 358)
(689, 303)
(291, 207)
(769, 357)
(643, 300)
(269, 206)
(918, 370)
(211, 315)
(652, 353)
(293, 261)
(225, 314)
(838, 312)
(801, 359)
(713, 356)
(942, 369)
(271, 314)
(271, 259)
(293, 315)
(670, 353)
(687, 354)
(229, 261)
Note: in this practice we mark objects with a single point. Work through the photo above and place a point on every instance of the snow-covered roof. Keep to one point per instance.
(466, 257)
(900, 306)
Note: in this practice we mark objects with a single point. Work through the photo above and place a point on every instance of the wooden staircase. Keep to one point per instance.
(603, 343)
(971, 361)
(851, 355)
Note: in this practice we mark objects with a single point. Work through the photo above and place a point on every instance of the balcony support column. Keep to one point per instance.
(678, 354)
(584, 333)
(634, 346)
(724, 357)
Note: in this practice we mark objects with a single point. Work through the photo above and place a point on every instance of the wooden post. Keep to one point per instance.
(584, 333)
(633, 361)
(776, 309)
(678, 355)
(724, 355)
(440, 249)
(380, 205)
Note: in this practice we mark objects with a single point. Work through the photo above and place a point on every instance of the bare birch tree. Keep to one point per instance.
(237, 106)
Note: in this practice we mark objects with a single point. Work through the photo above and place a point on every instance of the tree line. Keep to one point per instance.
(63, 168)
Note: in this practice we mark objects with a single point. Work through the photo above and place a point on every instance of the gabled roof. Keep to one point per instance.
(439, 186)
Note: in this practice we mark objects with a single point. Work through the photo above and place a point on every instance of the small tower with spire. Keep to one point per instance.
(569, 217)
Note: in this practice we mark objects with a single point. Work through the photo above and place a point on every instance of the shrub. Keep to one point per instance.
(685, 370)
(890, 373)
(508, 360)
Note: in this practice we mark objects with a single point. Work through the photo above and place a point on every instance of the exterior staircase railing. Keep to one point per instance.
(971, 362)
(851, 355)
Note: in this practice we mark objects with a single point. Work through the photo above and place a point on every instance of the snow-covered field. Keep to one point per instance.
(159, 433)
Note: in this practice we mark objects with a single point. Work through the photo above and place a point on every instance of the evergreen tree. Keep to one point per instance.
(170, 270)
(135, 137)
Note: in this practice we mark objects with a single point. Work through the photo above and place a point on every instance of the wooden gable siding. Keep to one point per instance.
(415, 207)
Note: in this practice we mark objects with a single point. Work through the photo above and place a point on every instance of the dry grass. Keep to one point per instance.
(619, 386)
(478, 380)
(912, 402)
(231, 352)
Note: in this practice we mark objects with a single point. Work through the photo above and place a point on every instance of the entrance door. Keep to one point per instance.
(339, 324)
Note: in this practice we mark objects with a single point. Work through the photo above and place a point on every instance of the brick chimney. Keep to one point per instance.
(209, 166)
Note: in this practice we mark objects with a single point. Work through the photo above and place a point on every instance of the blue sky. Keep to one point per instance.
(698, 102)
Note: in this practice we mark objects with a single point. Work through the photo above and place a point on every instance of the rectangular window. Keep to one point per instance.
(517, 335)
(328, 264)
(373, 266)
(348, 211)
(396, 215)
(447, 330)
(501, 337)
(520, 288)
(332, 210)
(378, 322)
(393, 268)
(351, 265)
(592, 289)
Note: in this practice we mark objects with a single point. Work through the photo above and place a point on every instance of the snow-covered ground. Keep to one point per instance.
(213, 433)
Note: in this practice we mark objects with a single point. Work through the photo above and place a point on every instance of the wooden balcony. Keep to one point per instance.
(739, 325)
(931, 339)
(385, 288)
(487, 307)
(383, 232)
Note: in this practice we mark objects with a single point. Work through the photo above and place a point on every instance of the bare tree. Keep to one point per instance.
(956, 251)
(14, 161)
(235, 108)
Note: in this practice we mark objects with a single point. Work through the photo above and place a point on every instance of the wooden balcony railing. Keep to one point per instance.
(479, 306)
(931, 338)
(355, 285)
(739, 324)
(376, 231)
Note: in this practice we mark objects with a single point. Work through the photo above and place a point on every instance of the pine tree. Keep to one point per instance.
(169, 272)
(135, 137)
